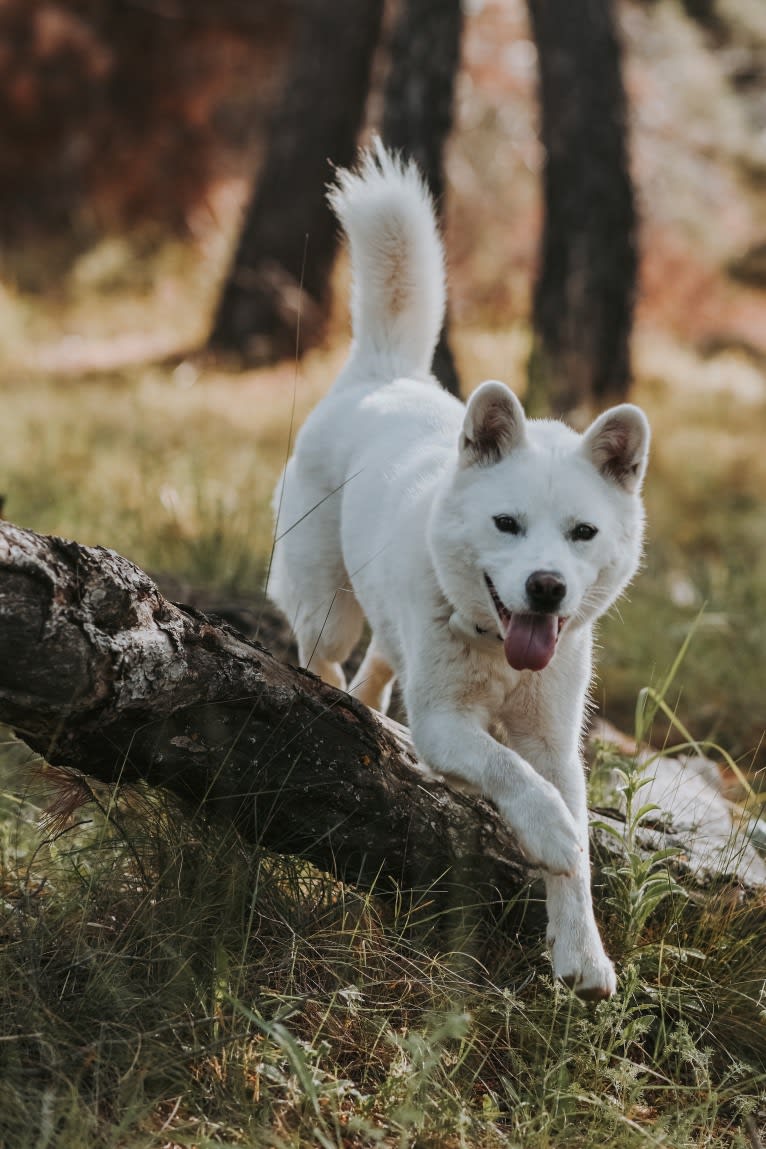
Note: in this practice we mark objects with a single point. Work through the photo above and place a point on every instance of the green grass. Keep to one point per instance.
(706, 551)
(162, 985)
(177, 491)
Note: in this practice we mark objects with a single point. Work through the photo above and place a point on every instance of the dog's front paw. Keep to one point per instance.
(586, 970)
(547, 832)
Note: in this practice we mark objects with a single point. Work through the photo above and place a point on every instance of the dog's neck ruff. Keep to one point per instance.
(471, 632)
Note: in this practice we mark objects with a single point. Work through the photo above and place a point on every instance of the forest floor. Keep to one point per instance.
(163, 986)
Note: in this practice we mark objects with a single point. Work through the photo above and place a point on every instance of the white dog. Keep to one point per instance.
(481, 547)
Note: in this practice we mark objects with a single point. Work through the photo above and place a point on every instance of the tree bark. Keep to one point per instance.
(276, 289)
(584, 294)
(102, 674)
(418, 111)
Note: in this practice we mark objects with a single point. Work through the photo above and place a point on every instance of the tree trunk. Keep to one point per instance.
(274, 300)
(418, 110)
(584, 294)
(101, 674)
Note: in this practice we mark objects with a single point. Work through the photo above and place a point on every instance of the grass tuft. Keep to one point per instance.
(164, 985)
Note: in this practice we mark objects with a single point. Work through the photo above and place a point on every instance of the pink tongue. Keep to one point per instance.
(530, 640)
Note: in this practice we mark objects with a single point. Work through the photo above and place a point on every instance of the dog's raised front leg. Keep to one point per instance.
(578, 954)
(455, 743)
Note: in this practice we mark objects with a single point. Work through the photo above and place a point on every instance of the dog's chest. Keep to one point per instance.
(513, 701)
(516, 713)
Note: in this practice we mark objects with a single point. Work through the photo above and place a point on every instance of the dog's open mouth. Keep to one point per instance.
(529, 639)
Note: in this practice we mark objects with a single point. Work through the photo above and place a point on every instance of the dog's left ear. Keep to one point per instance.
(494, 424)
(617, 443)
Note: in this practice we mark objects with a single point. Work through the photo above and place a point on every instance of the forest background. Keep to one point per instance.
(131, 136)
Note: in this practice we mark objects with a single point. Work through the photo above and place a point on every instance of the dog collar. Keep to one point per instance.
(468, 631)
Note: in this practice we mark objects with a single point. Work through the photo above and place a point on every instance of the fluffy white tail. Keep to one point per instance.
(397, 263)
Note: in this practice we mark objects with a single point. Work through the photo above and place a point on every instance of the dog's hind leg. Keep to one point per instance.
(328, 633)
(308, 578)
(330, 672)
(373, 681)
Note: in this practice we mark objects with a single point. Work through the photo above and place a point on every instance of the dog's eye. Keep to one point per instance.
(507, 524)
(583, 533)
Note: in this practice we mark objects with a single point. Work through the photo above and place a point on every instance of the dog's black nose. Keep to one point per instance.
(545, 590)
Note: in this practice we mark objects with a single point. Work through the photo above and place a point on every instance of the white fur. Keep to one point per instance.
(387, 509)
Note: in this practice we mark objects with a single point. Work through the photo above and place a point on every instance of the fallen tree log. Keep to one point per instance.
(100, 673)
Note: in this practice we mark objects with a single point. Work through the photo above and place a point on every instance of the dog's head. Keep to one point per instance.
(540, 528)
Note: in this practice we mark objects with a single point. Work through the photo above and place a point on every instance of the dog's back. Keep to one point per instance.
(397, 306)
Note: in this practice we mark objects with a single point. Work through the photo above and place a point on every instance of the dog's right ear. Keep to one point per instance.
(494, 424)
(617, 443)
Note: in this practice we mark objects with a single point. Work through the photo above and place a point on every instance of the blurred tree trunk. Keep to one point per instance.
(584, 295)
(278, 278)
(418, 110)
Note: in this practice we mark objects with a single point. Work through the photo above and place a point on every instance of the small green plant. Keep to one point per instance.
(642, 881)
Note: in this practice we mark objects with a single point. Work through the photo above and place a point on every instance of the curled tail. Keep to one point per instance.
(397, 263)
